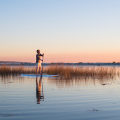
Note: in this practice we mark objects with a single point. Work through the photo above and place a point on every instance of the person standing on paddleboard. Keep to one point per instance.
(39, 61)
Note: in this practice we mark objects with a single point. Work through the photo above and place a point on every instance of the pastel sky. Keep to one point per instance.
(65, 30)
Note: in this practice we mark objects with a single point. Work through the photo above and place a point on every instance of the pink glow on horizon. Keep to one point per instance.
(67, 58)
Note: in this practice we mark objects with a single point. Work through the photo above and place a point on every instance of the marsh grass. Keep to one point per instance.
(82, 72)
(64, 72)
(8, 71)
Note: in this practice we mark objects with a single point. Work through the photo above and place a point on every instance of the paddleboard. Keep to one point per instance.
(34, 75)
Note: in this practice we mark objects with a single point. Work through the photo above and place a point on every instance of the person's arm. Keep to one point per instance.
(42, 54)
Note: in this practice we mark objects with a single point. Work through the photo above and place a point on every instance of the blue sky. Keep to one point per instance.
(65, 30)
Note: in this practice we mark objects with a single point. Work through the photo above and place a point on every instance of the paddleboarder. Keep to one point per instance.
(39, 61)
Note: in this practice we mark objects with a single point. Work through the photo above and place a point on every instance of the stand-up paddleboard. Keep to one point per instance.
(35, 75)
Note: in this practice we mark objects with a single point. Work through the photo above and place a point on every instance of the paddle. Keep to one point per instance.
(42, 64)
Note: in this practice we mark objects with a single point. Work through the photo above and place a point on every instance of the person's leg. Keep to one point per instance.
(40, 68)
(37, 68)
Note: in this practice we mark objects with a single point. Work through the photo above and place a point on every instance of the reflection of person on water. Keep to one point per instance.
(39, 90)
(38, 61)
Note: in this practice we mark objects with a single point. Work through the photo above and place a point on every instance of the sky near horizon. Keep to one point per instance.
(65, 30)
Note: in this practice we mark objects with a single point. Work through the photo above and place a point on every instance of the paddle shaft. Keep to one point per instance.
(42, 63)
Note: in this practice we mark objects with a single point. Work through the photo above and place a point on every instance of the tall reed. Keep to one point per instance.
(7, 70)
(76, 72)
(63, 71)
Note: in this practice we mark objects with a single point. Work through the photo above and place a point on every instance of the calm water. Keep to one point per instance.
(23, 98)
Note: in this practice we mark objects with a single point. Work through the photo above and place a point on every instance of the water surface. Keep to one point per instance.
(25, 98)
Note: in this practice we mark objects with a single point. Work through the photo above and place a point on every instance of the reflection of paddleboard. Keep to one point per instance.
(34, 75)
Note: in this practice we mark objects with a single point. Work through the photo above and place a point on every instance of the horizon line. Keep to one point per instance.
(56, 62)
